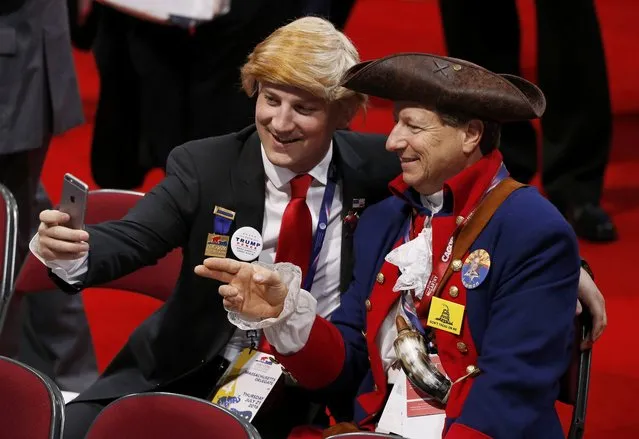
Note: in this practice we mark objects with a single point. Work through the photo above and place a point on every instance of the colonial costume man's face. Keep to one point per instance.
(295, 126)
(430, 151)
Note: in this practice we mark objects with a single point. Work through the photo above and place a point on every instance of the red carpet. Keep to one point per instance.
(379, 27)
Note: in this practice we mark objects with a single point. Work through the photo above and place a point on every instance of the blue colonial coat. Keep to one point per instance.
(517, 327)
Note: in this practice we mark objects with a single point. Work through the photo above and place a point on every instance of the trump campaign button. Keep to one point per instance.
(246, 243)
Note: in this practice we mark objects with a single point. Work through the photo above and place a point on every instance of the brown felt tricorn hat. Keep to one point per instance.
(447, 85)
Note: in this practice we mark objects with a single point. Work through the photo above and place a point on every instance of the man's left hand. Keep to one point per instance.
(593, 300)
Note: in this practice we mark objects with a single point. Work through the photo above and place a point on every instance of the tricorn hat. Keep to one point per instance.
(448, 85)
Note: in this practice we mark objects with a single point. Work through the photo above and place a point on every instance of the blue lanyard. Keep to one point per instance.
(318, 240)
(322, 226)
(502, 173)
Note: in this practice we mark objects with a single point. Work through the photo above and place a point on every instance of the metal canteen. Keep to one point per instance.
(413, 357)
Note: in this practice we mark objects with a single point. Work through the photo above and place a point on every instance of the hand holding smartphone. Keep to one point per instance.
(74, 201)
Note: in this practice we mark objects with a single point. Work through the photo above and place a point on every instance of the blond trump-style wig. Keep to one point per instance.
(308, 53)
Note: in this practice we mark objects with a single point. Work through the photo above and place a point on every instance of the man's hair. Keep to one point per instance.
(491, 137)
(308, 53)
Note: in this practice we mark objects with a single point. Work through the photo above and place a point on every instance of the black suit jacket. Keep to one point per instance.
(191, 328)
(9, 6)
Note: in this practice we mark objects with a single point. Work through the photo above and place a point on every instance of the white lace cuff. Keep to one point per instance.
(288, 332)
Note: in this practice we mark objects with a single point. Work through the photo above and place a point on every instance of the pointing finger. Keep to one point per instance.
(222, 276)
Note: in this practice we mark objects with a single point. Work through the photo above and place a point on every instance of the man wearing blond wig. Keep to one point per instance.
(461, 261)
(289, 188)
(214, 187)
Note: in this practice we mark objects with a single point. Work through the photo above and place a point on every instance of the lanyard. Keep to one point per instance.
(322, 226)
(437, 274)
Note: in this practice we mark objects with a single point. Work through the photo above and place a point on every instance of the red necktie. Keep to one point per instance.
(296, 231)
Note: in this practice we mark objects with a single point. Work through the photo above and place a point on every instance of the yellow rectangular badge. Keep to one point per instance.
(216, 245)
(445, 315)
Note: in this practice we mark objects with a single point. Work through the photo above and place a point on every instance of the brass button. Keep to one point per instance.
(368, 305)
(457, 265)
(470, 369)
(364, 334)
(380, 278)
(375, 387)
(460, 219)
(457, 67)
(461, 347)
(453, 291)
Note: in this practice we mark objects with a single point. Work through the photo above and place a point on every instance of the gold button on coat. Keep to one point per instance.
(461, 347)
(368, 305)
(453, 291)
(459, 220)
(457, 265)
(380, 278)
(470, 369)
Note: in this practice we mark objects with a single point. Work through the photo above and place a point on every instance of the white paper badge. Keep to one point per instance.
(247, 383)
(246, 243)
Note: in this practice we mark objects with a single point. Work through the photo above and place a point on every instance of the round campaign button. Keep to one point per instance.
(475, 269)
(246, 243)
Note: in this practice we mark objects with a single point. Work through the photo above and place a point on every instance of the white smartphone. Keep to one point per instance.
(74, 200)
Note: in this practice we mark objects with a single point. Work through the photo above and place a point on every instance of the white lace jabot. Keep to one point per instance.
(415, 258)
(415, 261)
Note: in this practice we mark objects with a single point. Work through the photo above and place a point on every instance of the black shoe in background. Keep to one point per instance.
(591, 222)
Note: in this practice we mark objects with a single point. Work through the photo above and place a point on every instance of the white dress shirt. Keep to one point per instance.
(289, 332)
(325, 287)
(325, 290)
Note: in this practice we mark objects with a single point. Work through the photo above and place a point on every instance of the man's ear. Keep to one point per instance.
(346, 111)
(472, 136)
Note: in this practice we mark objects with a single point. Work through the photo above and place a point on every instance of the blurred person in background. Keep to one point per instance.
(576, 128)
(39, 98)
(163, 85)
(336, 11)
